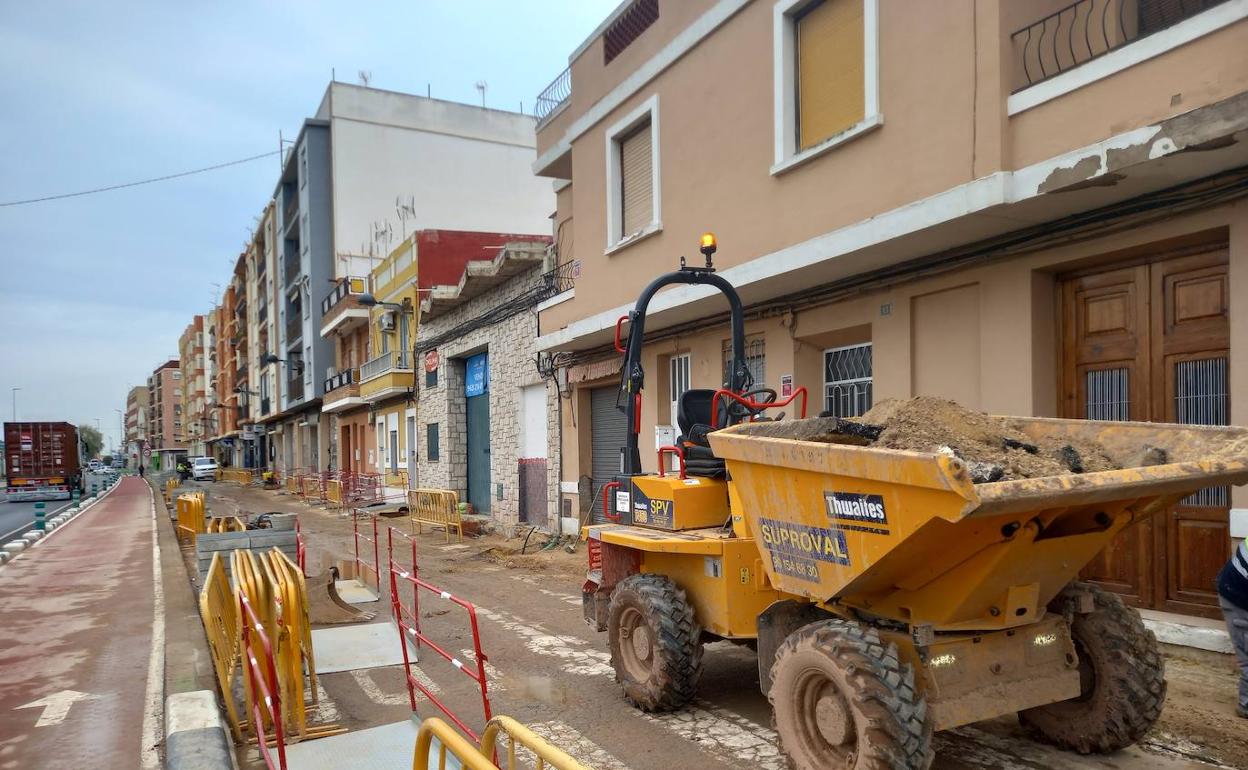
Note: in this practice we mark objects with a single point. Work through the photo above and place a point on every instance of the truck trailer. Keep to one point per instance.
(43, 460)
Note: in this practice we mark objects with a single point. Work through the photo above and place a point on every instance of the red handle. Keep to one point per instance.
(619, 345)
(606, 509)
(680, 455)
(752, 404)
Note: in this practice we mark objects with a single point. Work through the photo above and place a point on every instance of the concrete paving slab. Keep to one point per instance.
(388, 747)
(354, 647)
(354, 592)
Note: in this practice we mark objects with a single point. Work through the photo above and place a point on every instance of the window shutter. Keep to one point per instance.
(636, 181)
(831, 95)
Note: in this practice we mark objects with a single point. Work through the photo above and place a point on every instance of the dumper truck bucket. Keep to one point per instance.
(326, 607)
(907, 535)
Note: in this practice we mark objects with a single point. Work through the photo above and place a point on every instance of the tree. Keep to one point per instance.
(92, 440)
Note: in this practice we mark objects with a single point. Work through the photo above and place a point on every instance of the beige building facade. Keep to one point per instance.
(916, 199)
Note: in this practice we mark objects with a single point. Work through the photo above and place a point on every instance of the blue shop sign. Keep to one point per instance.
(477, 376)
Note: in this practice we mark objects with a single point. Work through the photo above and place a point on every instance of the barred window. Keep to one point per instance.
(755, 360)
(847, 380)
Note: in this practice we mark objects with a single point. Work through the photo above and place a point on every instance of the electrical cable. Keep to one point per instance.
(164, 178)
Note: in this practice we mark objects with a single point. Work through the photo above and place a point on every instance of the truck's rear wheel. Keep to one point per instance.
(656, 647)
(843, 699)
(1122, 679)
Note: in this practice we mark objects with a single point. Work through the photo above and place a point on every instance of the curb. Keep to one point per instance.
(195, 736)
(15, 549)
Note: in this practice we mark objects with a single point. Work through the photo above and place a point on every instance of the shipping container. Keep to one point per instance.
(43, 460)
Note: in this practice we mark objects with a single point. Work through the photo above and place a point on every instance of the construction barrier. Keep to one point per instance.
(301, 548)
(264, 698)
(437, 508)
(408, 621)
(225, 524)
(236, 476)
(360, 564)
(333, 493)
(449, 742)
(294, 637)
(171, 486)
(218, 610)
(363, 488)
(191, 516)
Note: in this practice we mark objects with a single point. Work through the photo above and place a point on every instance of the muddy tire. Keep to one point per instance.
(656, 647)
(841, 698)
(1123, 682)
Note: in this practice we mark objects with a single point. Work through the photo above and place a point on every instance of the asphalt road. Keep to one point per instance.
(16, 518)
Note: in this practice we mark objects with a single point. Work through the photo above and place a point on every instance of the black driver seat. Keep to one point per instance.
(693, 417)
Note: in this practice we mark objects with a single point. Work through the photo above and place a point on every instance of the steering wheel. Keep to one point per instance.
(738, 411)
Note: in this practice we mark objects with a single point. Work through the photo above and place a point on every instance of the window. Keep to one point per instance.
(394, 451)
(431, 378)
(177, 375)
(755, 360)
(847, 380)
(431, 441)
(678, 372)
(177, 391)
(633, 199)
(303, 166)
(826, 76)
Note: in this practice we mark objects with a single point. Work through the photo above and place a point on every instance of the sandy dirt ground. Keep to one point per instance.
(550, 670)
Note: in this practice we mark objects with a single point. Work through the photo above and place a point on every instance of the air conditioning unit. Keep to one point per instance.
(387, 322)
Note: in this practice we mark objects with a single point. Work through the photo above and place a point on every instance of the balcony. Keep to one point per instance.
(294, 326)
(294, 388)
(553, 97)
(290, 257)
(266, 406)
(387, 375)
(342, 391)
(341, 310)
(1087, 30)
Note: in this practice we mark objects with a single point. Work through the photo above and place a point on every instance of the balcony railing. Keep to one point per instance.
(343, 289)
(345, 377)
(555, 94)
(395, 360)
(294, 327)
(1088, 29)
(294, 387)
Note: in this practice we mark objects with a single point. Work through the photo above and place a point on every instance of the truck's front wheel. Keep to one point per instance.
(655, 647)
(844, 699)
(1122, 681)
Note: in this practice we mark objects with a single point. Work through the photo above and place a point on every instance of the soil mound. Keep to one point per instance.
(994, 447)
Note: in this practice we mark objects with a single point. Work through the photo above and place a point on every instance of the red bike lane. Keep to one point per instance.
(76, 631)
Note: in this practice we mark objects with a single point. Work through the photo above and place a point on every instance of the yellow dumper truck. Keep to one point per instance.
(888, 595)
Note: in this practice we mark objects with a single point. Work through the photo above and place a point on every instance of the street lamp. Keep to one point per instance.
(15, 403)
(269, 358)
(121, 435)
(368, 300)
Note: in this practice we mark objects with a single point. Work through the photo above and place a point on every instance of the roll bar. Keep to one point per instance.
(633, 377)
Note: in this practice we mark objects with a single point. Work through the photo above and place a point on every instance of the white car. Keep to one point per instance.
(204, 469)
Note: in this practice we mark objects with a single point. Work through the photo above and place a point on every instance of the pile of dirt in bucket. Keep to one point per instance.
(993, 447)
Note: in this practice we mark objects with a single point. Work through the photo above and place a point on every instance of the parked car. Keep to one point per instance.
(204, 469)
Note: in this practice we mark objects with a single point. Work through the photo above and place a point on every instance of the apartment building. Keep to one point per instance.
(136, 424)
(195, 376)
(230, 350)
(364, 173)
(258, 395)
(917, 199)
(164, 414)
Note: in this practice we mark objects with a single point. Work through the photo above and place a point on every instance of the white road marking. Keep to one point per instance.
(492, 675)
(56, 706)
(574, 744)
(375, 693)
(153, 714)
(529, 580)
(325, 711)
(718, 731)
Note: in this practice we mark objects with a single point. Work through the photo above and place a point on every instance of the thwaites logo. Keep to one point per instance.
(865, 511)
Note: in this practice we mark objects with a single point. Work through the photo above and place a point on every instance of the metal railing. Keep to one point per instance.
(294, 387)
(555, 94)
(345, 377)
(294, 327)
(1088, 29)
(343, 289)
(386, 362)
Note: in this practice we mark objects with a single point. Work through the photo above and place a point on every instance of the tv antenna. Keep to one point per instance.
(482, 86)
(405, 209)
(366, 77)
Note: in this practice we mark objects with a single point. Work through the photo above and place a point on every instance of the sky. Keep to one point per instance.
(97, 289)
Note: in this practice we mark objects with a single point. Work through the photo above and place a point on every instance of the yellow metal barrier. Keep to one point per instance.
(437, 508)
(333, 493)
(226, 524)
(293, 647)
(292, 484)
(480, 758)
(236, 476)
(170, 486)
(191, 518)
(218, 607)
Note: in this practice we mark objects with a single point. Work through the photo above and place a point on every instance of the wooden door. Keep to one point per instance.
(1151, 342)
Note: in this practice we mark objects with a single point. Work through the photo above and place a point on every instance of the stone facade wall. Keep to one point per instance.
(512, 366)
